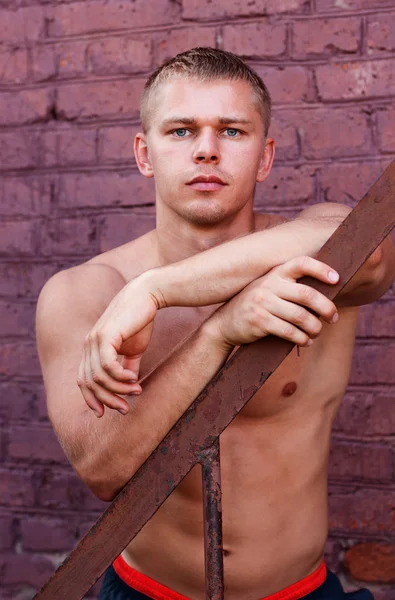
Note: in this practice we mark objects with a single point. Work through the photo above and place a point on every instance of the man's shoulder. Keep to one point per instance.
(268, 220)
(131, 259)
(78, 292)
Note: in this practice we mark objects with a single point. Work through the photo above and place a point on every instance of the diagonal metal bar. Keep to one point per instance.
(212, 512)
(214, 409)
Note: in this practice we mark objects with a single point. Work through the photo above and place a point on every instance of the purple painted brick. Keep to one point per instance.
(16, 238)
(366, 414)
(22, 24)
(319, 131)
(116, 144)
(286, 187)
(65, 490)
(119, 55)
(6, 532)
(25, 195)
(16, 488)
(380, 35)
(25, 569)
(24, 279)
(386, 129)
(90, 16)
(366, 511)
(285, 136)
(326, 36)
(69, 236)
(105, 189)
(34, 443)
(287, 84)
(352, 461)
(373, 363)
(171, 42)
(19, 359)
(23, 107)
(20, 400)
(377, 319)
(349, 182)
(103, 99)
(13, 65)
(69, 146)
(122, 228)
(17, 319)
(18, 149)
(48, 535)
(256, 40)
(205, 9)
(345, 81)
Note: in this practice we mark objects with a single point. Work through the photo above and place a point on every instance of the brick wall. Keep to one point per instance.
(70, 78)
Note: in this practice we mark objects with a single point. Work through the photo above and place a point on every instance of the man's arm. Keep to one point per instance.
(106, 452)
(374, 277)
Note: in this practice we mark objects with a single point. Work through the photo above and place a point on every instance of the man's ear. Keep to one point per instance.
(141, 153)
(266, 161)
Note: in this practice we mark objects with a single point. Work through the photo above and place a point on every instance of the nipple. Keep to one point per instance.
(289, 389)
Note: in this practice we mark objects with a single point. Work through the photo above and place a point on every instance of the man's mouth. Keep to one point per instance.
(207, 183)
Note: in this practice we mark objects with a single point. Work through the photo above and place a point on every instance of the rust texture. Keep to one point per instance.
(217, 405)
(212, 517)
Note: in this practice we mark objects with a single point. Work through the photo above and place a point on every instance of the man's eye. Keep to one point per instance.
(180, 132)
(232, 132)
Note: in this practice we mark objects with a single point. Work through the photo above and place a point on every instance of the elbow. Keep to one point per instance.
(104, 488)
(104, 483)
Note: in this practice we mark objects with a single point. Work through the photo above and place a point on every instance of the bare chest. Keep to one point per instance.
(306, 380)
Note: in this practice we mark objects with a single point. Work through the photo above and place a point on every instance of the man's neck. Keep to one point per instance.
(179, 240)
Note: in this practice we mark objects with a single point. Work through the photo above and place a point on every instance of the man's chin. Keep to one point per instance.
(204, 216)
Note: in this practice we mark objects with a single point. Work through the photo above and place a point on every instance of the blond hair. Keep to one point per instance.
(207, 64)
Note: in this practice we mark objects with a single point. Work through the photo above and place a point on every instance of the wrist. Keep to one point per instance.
(211, 329)
(152, 283)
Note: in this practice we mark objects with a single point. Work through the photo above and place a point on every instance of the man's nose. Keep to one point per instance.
(206, 149)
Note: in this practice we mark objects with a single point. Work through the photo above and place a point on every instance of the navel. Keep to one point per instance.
(289, 389)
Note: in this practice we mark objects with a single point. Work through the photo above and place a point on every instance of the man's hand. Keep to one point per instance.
(124, 330)
(277, 304)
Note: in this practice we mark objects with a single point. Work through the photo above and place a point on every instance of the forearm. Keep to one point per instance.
(218, 274)
(111, 449)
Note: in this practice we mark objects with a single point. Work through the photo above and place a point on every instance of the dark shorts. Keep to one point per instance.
(115, 588)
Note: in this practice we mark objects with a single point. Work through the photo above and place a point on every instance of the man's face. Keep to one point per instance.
(206, 148)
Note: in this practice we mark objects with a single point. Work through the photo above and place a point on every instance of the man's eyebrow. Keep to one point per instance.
(183, 120)
(231, 120)
(192, 121)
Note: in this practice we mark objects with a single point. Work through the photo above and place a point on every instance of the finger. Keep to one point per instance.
(297, 315)
(133, 364)
(103, 379)
(93, 403)
(306, 265)
(287, 331)
(108, 360)
(307, 296)
(106, 398)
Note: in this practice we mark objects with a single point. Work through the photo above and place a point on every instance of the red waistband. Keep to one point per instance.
(157, 591)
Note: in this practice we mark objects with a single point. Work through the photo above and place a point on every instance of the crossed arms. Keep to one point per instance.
(256, 276)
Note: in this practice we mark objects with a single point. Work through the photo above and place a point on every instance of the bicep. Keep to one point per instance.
(68, 307)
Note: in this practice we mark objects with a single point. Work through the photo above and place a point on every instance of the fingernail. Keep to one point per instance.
(309, 343)
(122, 411)
(335, 317)
(333, 276)
(96, 414)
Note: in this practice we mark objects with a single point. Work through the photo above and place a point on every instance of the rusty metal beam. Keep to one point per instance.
(212, 513)
(215, 408)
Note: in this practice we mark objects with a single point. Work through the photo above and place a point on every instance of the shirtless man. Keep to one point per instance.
(222, 276)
